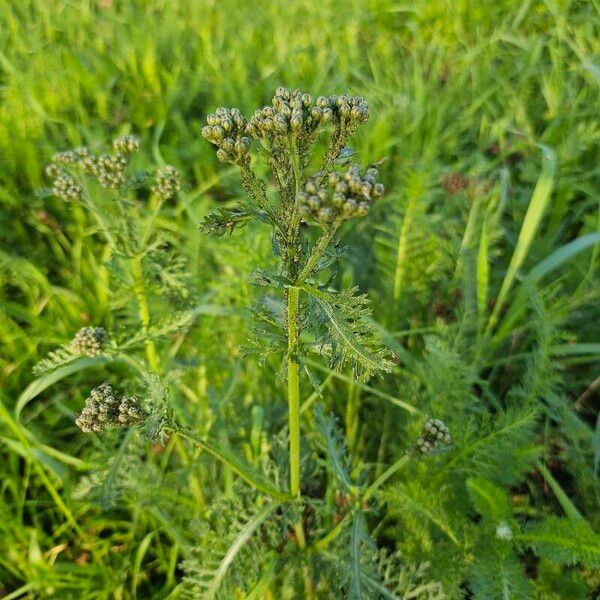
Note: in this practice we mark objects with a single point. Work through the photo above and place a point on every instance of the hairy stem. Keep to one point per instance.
(140, 294)
(293, 390)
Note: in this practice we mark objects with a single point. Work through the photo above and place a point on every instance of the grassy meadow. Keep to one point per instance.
(481, 263)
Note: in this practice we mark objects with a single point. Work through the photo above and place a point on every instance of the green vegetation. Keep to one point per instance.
(424, 425)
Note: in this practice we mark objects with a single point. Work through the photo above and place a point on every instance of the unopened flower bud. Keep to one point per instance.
(362, 209)
(326, 215)
(435, 435)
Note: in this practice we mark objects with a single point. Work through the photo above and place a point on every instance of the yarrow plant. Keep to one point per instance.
(313, 192)
(286, 134)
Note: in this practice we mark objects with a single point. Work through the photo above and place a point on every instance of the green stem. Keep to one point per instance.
(332, 535)
(385, 476)
(140, 294)
(150, 226)
(317, 252)
(295, 218)
(237, 466)
(293, 390)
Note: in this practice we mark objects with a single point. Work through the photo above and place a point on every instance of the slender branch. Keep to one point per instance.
(332, 535)
(140, 294)
(317, 252)
(256, 480)
(385, 476)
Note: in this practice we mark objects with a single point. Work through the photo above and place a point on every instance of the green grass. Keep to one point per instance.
(482, 295)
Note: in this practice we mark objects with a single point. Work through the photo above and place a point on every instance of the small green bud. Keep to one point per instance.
(228, 144)
(349, 208)
(53, 171)
(362, 209)
(314, 202)
(327, 115)
(338, 199)
(378, 190)
(311, 187)
(326, 215)
(296, 123)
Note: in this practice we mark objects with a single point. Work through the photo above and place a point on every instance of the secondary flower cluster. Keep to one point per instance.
(340, 196)
(104, 409)
(226, 129)
(109, 169)
(89, 341)
(166, 183)
(435, 434)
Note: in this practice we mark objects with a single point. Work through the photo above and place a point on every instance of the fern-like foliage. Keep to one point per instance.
(228, 555)
(354, 561)
(406, 581)
(224, 221)
(563, 541)
(409, 253)
(497, 575)
(60, 357)
(334, 448)
(501, 449)
(343, 323)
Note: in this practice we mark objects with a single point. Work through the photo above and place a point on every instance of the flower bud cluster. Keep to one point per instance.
(226, 129)
(64, 185)
(89, 341)
(292, 112)
(109, 169)
(104, 409)
(347, 111)
(340, 196)
(435, 434)
(166, 183)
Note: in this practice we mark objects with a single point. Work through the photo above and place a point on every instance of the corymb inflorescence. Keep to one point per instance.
(435, 436)
(104, 409)
(340, 196)
(89, 341)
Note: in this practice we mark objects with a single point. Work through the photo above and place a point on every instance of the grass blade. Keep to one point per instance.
(537, 207)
